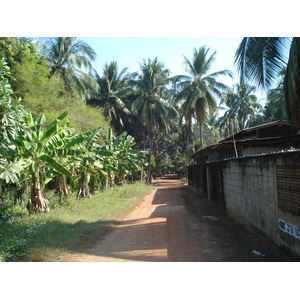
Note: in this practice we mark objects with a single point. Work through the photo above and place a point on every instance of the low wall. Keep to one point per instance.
(259, 191)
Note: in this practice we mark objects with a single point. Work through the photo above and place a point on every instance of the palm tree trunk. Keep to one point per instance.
(201, 134)
(142, 169)
(149, 177)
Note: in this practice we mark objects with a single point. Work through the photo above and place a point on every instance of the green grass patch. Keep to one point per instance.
(68, 225)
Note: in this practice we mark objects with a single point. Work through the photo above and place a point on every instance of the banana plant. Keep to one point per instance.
(92, 163)
(42, 148)
(125, 160)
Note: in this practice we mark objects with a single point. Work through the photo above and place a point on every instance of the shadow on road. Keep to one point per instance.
(170, 226)
(158, 236)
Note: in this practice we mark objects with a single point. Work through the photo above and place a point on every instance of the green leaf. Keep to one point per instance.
(67, 152)
(93, 138)
(41, 120)
(104, 152)
(58, 119)
(29, 120)
(67, 124)
(120, 138)
(55, 165)
(74, 142)
(27, 145)
(111, 168)
(48, 134)
(8, 176)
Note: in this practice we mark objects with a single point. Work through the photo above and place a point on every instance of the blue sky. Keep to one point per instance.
(129, 51)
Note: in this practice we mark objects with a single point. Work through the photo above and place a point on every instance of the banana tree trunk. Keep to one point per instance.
(111, 178)
(39, 202)
(94, 184)
(120, 178)
(62, 187)
(84, 191)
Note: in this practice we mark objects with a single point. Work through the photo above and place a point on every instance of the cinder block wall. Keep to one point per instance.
(247, 188)
(250, 193)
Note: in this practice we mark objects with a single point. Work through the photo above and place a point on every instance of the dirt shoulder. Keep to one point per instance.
(174, 224)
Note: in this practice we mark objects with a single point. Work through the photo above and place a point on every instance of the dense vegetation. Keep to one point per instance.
(65, 128)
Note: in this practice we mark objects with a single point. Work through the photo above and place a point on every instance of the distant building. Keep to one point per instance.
(267, 138)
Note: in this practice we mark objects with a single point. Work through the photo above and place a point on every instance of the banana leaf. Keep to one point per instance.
(55, 165)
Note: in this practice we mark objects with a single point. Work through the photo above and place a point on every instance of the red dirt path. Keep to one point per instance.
(169, 226)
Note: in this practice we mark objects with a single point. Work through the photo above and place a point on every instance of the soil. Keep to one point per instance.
(174, 224)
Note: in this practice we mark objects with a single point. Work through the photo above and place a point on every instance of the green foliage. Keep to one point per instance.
(68, 225)
(17, 50)
(125, 159)
(66, 56)
(199, 91)
(14, 243)
(34, 85)
(11, 111)
(11, 122)
(113, 89)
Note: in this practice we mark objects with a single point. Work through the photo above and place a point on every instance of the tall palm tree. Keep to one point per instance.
(261, 59)
(275, 105)
(199, 90)
(246, 102)
(241, 108)
(151, 106)
(113, 88)
(229, 117)
(66, 56)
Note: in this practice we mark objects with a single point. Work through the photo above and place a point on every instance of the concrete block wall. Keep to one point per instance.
(250, 193)
(247, 188)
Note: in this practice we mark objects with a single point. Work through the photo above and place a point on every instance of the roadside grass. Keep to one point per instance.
(44, 236)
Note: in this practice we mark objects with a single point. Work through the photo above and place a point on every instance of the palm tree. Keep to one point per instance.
(275, 108)
(113, 87)
(231, 106)
(261, 59)
(151, 108)
(66, 56)
(246, 102)
(200, 90)
(241, 108)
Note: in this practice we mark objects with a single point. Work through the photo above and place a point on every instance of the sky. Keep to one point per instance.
(129, 51)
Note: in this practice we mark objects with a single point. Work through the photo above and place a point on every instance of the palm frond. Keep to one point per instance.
(260, 59)
(292, 83)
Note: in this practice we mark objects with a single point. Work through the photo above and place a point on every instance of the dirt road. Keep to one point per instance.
(172, 224)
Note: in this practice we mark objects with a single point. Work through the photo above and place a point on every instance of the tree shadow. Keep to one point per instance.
(153, 238)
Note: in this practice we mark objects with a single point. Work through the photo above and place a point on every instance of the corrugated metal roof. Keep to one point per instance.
(227, 144)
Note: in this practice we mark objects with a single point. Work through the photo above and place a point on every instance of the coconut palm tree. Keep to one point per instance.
(151, 107)
(200, 90)
(275, 108)
(241, 105)
(113, 88)
(261, 59)
(246, 103)
(66, 56)
(230, 105)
